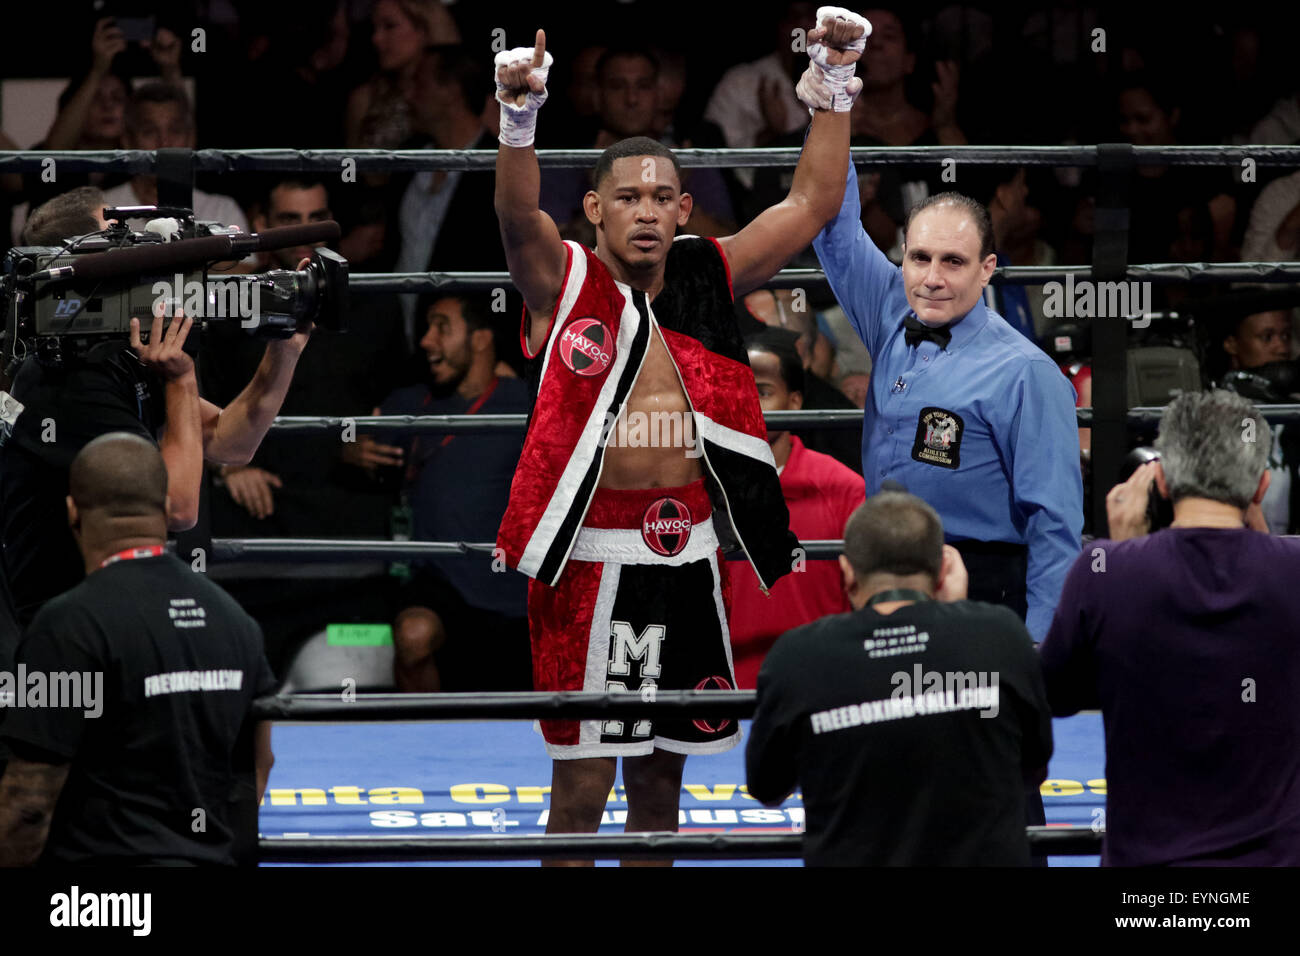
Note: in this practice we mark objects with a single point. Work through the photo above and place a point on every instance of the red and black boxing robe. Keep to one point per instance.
(598, 339)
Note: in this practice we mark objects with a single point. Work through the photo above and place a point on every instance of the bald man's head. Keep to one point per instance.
(119, 475)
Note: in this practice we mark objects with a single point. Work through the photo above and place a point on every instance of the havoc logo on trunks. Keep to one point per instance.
(586, 346)
(713, 726)
(938, 437)
(666, 527)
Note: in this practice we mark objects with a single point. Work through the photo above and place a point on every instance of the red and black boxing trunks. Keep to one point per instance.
(641, 606)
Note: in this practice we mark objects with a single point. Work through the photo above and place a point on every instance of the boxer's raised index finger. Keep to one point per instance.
(539, 49)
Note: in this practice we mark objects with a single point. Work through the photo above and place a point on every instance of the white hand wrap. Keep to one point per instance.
(824, 86)
(519, 123)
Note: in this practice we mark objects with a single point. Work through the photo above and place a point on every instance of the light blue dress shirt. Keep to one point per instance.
(984, 431)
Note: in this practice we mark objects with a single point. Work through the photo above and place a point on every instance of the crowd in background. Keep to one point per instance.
(414, 74)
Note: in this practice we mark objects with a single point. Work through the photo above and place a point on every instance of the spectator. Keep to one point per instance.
(1004, 191)
(775, 309)
(1273, 233)
(441, 214)
(1202, 723)
(463, 626)
(577, 119)
(379, 110)
(302, 486)
(91, 111)
(874, 715)
(1281, 125)
(820, 492)
(855, 386)
(158, 116)
(754, 103)
(1178, 214)
(670, 84)
(627, 98)
(298, 61)
(168, 663)
(1257, 338)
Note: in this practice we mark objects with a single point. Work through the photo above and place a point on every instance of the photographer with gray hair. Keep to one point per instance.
(916, 726)
(1186, 641)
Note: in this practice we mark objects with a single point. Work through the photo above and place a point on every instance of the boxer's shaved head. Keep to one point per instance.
(119, 475)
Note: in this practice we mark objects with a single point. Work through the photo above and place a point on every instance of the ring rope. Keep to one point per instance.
(1139, 417)
(505, 705)
(1155, 272)
(420, 160)
(1058, 841)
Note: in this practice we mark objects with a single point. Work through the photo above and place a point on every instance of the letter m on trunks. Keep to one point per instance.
(625, 644)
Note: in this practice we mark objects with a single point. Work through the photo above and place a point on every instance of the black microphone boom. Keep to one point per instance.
(159, 258)
(153, 259)
(286, 237)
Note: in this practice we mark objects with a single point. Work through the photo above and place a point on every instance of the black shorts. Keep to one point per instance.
(640, 614)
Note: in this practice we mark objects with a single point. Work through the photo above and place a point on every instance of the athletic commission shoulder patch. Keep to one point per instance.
(938, 437)
(586, 346)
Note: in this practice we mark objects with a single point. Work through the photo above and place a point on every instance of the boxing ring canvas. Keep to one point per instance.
(456, 778)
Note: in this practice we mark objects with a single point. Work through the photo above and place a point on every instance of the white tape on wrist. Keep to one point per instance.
(519, 123)
(840, 87)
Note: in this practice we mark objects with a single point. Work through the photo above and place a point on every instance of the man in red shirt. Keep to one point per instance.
(820, 492)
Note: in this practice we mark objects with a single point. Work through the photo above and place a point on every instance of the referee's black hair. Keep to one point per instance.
(978, 213)
(895, 533)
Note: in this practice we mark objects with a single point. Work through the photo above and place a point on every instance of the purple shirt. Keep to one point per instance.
(1189, 642)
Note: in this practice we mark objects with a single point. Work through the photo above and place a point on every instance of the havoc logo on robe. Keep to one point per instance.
(666, 527)
(713, 726)
(586, 346)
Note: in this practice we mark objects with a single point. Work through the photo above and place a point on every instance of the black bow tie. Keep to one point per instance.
(917, 331)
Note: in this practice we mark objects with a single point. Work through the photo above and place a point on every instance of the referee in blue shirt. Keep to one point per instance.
(963, 411)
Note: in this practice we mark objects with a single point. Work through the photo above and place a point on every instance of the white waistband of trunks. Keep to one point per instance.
(626, 546)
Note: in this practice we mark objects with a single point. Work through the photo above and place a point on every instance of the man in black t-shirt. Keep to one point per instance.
(132, 741)
(912, 724)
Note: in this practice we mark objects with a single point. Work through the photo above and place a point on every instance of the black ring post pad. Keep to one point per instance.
(175, 169)
(1115, 162)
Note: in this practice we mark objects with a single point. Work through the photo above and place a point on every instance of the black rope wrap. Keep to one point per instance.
(558, 705)
(418, 160)
(1155, 272)
(1144, 416)
(1057, 841)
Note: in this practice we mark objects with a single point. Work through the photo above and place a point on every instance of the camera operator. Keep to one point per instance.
(147, 389)
(1185, 639)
